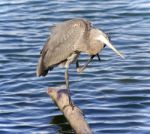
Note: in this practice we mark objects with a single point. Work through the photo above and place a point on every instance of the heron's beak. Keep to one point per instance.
(107, 42)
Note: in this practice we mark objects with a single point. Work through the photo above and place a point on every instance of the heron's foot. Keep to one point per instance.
(71, 104)
(80, 69)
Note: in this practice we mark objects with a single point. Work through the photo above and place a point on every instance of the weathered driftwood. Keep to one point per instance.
(74, 116)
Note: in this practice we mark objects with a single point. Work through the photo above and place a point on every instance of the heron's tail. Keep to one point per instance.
(41, 71)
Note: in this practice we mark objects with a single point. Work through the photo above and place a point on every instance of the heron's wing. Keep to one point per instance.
(61, 44)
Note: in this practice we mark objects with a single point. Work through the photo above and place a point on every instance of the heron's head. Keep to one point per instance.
(103, 38)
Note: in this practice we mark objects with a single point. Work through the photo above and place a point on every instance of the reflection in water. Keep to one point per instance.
(61, 121)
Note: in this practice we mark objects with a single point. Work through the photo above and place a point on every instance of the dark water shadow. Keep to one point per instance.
(62, 123)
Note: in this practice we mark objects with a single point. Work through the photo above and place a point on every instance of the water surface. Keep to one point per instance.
(114, 93)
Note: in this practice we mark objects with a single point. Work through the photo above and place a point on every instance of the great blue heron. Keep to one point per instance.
(67, 41)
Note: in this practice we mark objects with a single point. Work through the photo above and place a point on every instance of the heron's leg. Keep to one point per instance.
(98, 57)
(69, 61)
(67, 83)
(77, 64)
(80, 69)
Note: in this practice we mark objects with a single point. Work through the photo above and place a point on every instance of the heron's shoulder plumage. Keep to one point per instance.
(71, 25)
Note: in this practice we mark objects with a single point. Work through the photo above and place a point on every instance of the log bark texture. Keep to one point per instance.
(74, 116)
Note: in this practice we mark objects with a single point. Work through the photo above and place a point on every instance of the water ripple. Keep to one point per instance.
(114, 93)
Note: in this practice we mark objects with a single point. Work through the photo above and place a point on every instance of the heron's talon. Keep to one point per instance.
(80, 69)
(72, 105)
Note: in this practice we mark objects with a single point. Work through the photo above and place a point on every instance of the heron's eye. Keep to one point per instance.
(104, 45)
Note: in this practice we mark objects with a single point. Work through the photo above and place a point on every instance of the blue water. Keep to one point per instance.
(114, 93)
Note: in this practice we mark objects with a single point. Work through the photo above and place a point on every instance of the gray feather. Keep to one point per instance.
(64, 40)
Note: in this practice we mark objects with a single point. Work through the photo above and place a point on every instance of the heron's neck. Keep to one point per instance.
(95, 47)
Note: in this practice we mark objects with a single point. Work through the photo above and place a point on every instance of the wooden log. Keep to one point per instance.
(74, 116)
